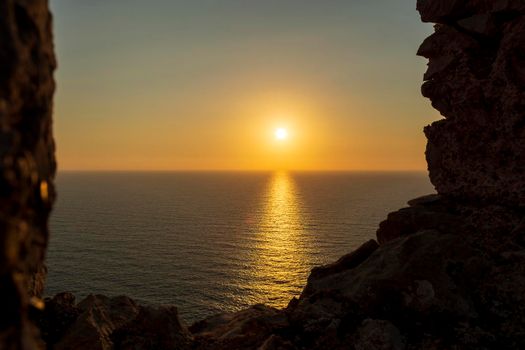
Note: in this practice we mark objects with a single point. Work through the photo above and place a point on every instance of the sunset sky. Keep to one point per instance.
(204, 85)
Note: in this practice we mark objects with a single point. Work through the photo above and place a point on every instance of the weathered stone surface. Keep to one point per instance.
(348, 261)
(449, 11)
(426, 213)
(476, 79)
(59, 314)
(153, 328)
(27, 164)
(98, 318)
(378, 335)
(99, 322)
(405, 282)
(255, 328)
(275, 342)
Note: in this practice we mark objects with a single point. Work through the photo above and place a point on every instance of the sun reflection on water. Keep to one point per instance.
(279, 263)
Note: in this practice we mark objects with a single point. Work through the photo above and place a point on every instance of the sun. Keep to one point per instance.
(281, 134)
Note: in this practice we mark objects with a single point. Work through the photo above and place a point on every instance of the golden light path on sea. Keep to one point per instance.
(279, 259)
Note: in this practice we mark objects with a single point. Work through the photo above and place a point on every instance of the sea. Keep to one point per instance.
(212, 242)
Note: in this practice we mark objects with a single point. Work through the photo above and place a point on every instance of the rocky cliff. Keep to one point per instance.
(476, 79)
(446, 272)
(27, 163)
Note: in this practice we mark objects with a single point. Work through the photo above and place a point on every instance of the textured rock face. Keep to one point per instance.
(27, 163)
(476, 79)
(99, 322)
(258, 327)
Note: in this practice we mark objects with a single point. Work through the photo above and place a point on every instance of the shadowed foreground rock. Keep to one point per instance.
(27, 163)
(101, 323)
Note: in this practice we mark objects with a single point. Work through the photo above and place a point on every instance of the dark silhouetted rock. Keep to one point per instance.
(346, 262)
(98, 317)
(406, 283)
(99, 322)
(258, 327)
(476, 79)
(27, 163)
(451, 11)
(378, 335)
(59, 314)
(153, 328)
(425, 213)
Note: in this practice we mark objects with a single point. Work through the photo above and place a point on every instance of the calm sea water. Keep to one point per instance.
(212, 242)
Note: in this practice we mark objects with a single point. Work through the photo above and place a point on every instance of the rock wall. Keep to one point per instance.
(476, 79)
(27, 163)
(102, 323)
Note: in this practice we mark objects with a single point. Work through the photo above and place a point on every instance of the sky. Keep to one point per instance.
(204, 84)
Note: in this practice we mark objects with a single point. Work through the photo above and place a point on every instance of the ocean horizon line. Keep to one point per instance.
(241, 171)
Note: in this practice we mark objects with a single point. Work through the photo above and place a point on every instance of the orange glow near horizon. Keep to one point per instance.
(260, 140)
(209, 90)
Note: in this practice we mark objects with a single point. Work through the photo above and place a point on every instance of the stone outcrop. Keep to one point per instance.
(27, 163)
(258, 327)
(476, 79)
(102, 323)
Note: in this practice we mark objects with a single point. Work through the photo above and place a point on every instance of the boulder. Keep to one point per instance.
(256, 327)
(100, 322)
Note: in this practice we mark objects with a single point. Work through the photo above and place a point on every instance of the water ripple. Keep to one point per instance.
(212, 242)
